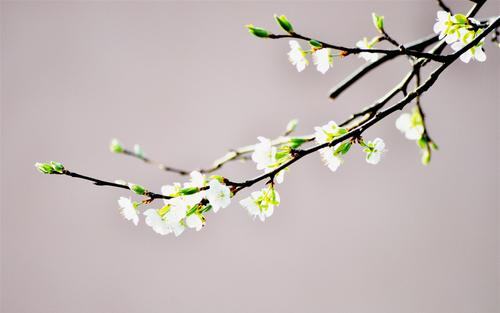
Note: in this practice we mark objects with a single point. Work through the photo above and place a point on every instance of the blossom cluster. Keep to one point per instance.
(459, 30)
(412, 126)
(185, 208)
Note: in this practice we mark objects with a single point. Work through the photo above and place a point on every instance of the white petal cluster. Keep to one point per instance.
(323, 60)
(186, 207)
(322, 57)
(266, 157)
(327, 133)
(368, 56)
(261, 203)
(129, 210)
(456, 30)
(374, 151)
(219, 195)
(297, 56)
(411, 125)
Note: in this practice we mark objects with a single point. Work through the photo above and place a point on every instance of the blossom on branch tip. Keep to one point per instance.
(297, 56)
(365, 44)
(219, 195)
(128, 209)
(323, 59)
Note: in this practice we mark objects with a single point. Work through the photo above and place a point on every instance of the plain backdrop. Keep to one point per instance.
(187, 82)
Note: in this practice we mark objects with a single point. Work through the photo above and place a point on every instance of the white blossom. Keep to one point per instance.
(327, 132)
(375, 150)
(323, 60)
(128, 210)
(443, 27)
(155, 221)
(297, 56)
(194, 221)
(264, 153)
(411, 127)
(474, 53)
(173, 191)
(368, 56)
(331, 160)
(219, 195)
(261, 203)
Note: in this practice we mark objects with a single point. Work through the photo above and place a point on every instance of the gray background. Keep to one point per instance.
(188, 83)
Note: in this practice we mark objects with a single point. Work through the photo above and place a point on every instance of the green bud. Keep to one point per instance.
(257, 31)
(297, 142)
(56, 166)
(426, 157)
(138, 189)
(189, 191)
(290, 127)
(378, 21)
(315, 43)
(115, 146)
(44, 168)
(284, 23)
(422, 142)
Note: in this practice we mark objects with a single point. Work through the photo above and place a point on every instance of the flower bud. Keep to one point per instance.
(56, 166)
(44, 168)
(290, 127)
(426, 157)
(189, 191)
(284, 23)
(115, 146)
(257, 31)
(138, 151)
(121, 182)
(138, 189)
(316, 44)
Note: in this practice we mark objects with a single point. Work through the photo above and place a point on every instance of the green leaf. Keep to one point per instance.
(378, 22)
(189, 191)
(284, 23)
(343, 148)
(316, 44)
(297, 142)
(461, 19)
(257, 31)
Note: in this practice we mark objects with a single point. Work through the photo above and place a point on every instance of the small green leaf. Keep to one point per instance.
(257, 31)
(189, 191)
(461, 19)
(284, 23)
(297, 142)
(343, 148)
(378, 22)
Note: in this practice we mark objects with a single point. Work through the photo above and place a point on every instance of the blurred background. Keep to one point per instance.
(187, 82)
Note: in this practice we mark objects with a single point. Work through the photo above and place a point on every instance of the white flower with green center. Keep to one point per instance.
(323, 59)
(332, 160)
(474, 53)
(176, 211)
(374, 150)
(175, 191)
(156, 222)
(195, 221)
(219, 195)
(264, 153)
(450, 27)
(261, 203)
(128, 209)
(411, 125)
(297, 56)
(365, 44)
(328, 132)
